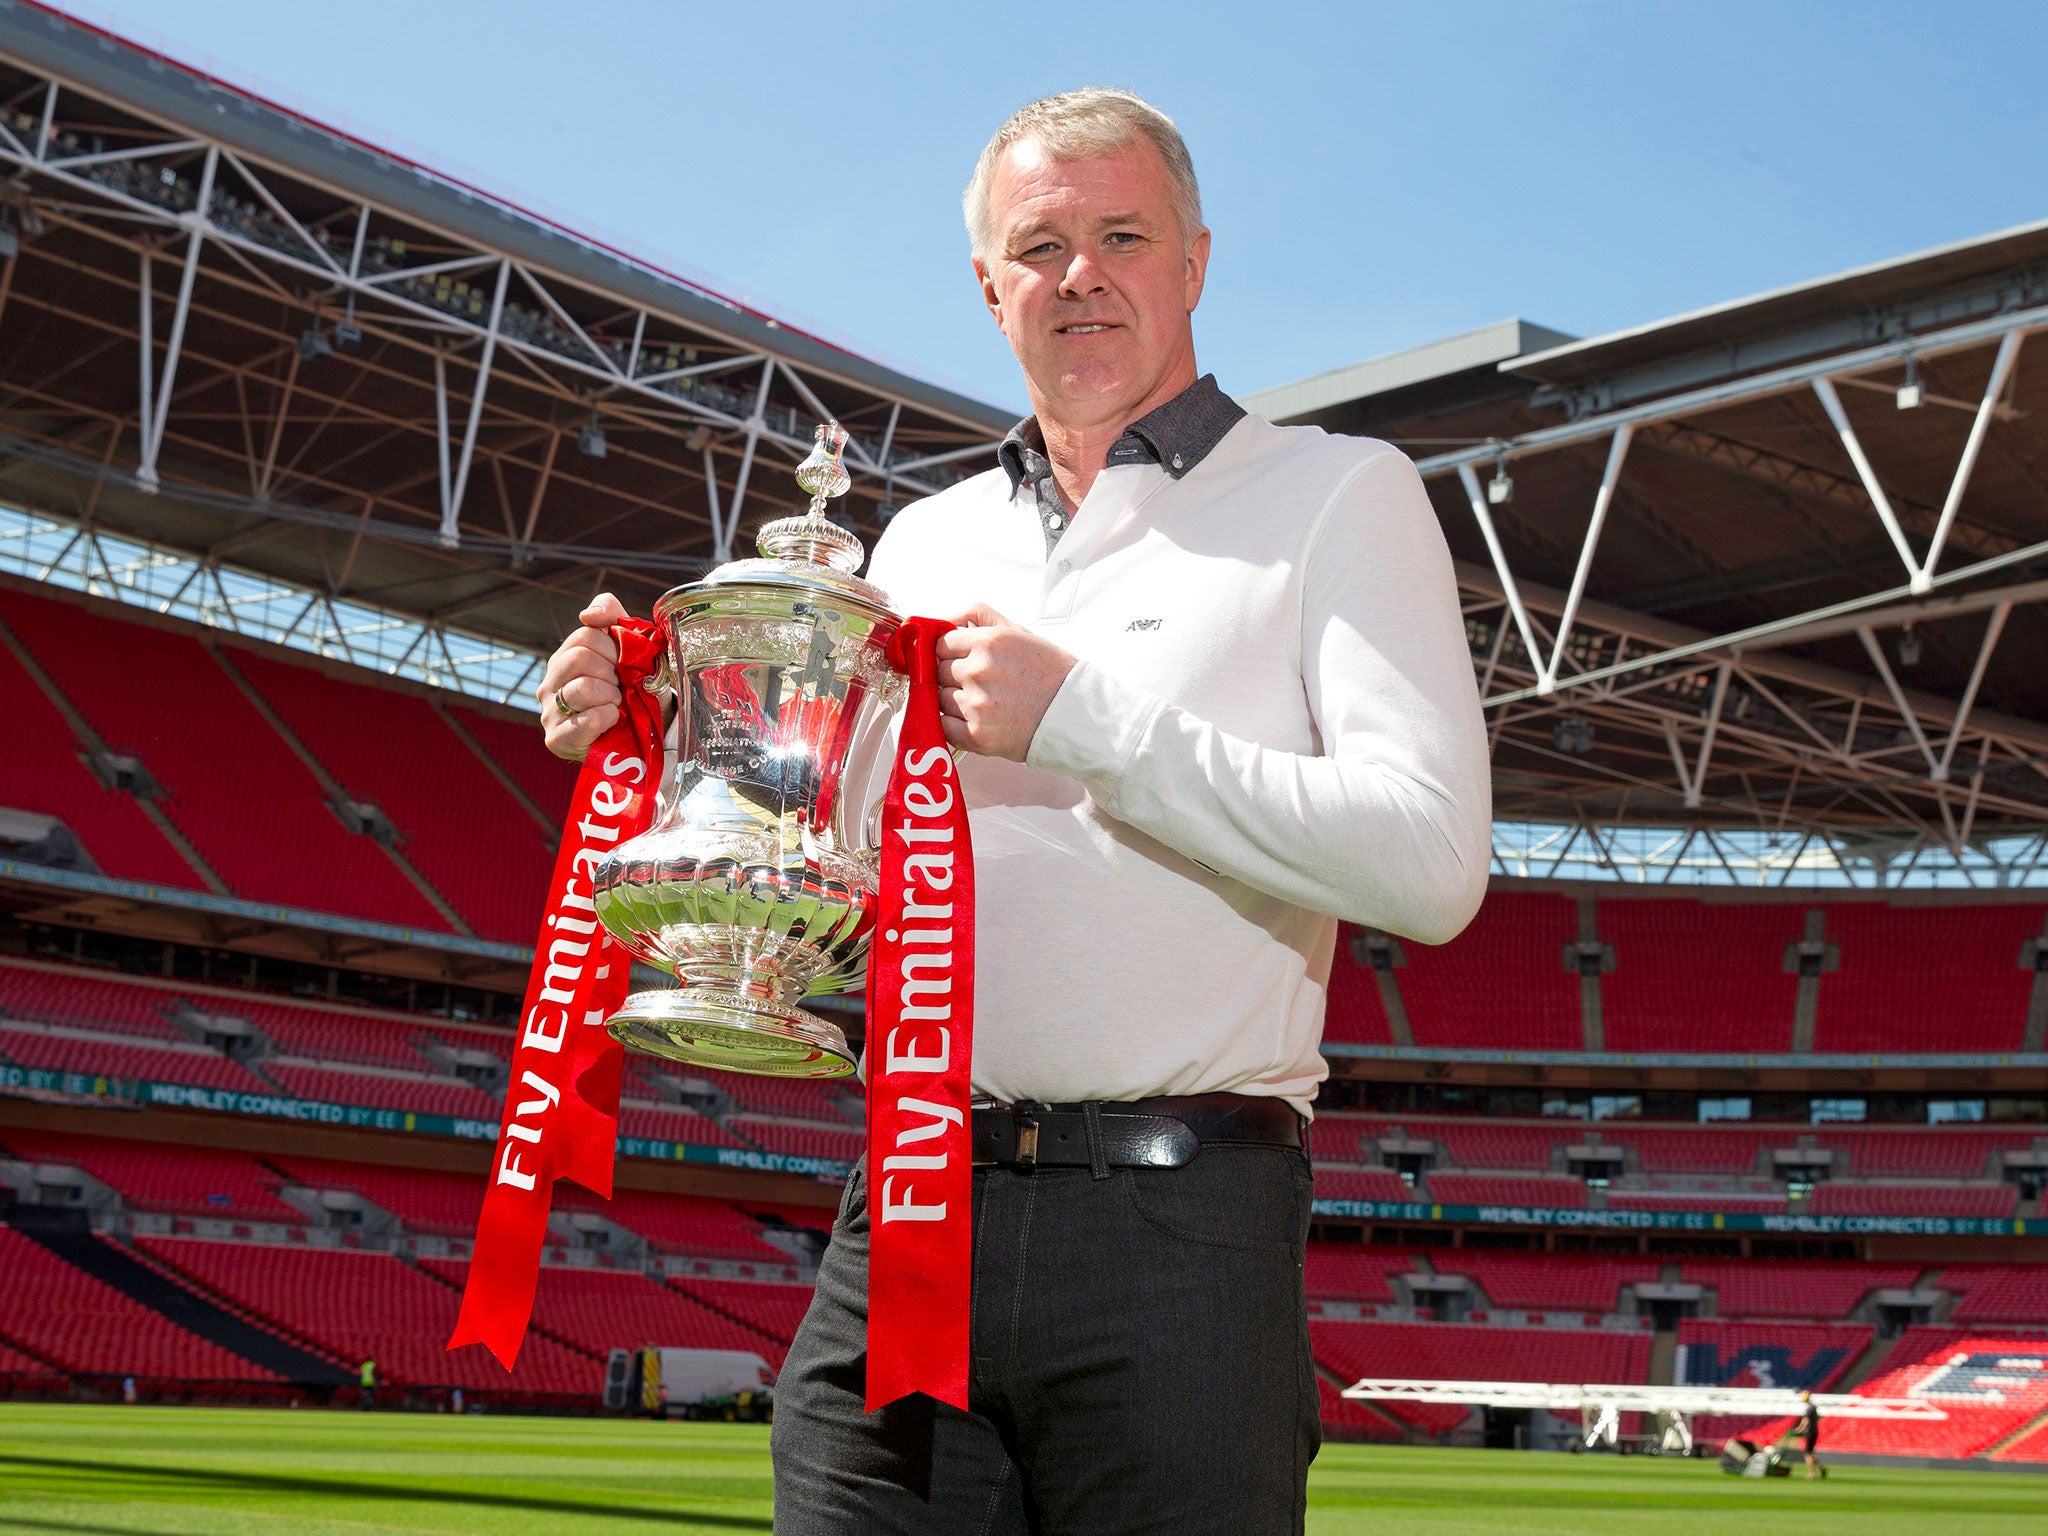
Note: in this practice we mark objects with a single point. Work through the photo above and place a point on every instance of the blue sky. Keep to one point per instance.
(1377, 176)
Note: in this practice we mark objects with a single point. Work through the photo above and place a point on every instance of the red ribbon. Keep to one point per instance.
(562, 1105)
(920, 1050)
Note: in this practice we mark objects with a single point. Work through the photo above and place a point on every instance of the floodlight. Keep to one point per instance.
(1574, 737)
(1913, 393)
(10, 241)
(346, 335)
(1500, 490)
(1909, 649)
(590, 441)
(313, 344)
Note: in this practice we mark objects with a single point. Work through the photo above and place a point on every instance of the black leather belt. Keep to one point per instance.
(1140, 1133)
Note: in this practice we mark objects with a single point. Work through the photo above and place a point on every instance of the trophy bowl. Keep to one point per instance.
(755, 886)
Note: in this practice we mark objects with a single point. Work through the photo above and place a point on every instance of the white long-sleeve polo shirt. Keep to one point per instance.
(1273, 724)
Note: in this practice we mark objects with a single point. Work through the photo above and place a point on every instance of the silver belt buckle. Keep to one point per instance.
(1021, 1116)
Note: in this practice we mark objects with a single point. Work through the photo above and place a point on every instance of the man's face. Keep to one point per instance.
(1091, 278)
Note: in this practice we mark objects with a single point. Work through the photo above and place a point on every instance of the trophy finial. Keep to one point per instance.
(813, 537)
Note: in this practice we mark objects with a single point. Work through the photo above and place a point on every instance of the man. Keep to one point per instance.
(1233, 702)
(1807, 1432)
(367, 1375)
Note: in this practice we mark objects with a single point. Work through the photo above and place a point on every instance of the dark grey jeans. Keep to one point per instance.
(1141, 1364)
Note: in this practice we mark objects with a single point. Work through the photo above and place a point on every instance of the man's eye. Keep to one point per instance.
(1123, 237)
(1043, 249)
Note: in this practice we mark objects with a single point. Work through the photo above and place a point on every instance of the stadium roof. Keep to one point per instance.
(237, 332)
(1760, 585)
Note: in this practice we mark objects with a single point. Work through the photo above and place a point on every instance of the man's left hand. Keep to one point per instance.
(996, 681)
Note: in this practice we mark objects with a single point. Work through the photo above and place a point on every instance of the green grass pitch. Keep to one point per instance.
(113, 1471)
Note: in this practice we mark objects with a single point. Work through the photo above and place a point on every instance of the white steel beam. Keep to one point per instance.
(1906, 710)
(756, 424)
(1831, 402)
(1510, 588)
(1603, 499)
(2001, 370)
(1991, 633)
(196, 222)
(451, 510)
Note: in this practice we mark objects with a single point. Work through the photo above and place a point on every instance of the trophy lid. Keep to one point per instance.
(809, 550)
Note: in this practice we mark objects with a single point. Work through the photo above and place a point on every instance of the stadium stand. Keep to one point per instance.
(278, 842)
(1344, 1419)
(1697, 976)
(1747, 1205)
(67, 1317)
(1501, 983)
(1353, 1010)
(788, 1098)
(1334, 1138)
(377, 1089)
(1805, 1356)
(1912, 1200)
(190, 1181)
(97, 1055)
(1989, 1385)
(1347, 1272)
(58, 995)
(1690, 1149)
(773, 1311)
(1956, 1152)
(447, 806)
(1474, 1352)
(672, 1122)
(1786, 1288)
(601, 1310)
(802, 1140)
(1361, 1184)
(1998, 1293)
(41, 772)
(685, 1224)
(1491, 1189)
(1914, 976)
(2032, 1446)
(425, 1199)
(353, 1306)
(299, 1029)
(515, 746)
(1563, 1282)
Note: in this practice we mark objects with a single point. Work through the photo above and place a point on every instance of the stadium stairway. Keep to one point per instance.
(64, 1234)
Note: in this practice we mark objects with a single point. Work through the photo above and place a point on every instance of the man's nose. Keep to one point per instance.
(1082, 277)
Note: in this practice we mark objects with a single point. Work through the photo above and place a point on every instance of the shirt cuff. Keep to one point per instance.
(1092, 729)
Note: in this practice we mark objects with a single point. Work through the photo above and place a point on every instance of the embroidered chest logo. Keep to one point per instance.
(1142, 626)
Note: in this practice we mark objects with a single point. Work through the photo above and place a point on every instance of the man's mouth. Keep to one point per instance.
(1088, 328)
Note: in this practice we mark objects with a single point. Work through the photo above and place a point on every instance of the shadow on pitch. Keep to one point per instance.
(269, 1482)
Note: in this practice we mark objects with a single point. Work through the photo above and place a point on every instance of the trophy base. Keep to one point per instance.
(731, 1032)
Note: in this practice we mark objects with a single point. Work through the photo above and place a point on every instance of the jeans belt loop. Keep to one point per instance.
(1098, 1148)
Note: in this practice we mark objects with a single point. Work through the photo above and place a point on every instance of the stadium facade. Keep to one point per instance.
(309, 454)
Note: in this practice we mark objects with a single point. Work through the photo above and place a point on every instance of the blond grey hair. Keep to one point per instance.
(1078, 125)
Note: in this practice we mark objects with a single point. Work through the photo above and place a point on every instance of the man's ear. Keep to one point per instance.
(1198, 268)
(989, 296)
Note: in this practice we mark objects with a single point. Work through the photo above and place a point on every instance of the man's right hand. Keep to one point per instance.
(579, 694)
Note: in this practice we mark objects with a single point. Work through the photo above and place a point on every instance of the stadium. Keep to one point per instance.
(309, 455)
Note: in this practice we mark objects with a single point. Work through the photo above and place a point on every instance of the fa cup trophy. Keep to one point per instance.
(756, 884)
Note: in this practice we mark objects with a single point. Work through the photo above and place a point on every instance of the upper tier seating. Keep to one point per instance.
(164, 1061)
(1338, 1138)
(516, 747)
(1552, 1281)
(1474, 1352)
(1353, 1012)
(1998, 1293)
(1361, 1184)
(83, 1324)
(1501, 983)
(425, 1199)
(151, 1176)
(334, 1034)
(804, 1140)
(368, 1305)
(1744, 1205)
(1491, 1189)
(1693, 1149)
(1926, 978)
(107, 1003)
(1697, 976)
(788, 1098)
(672, 1122)
(686, 1224)
(1475, 1143)
(1957, 1152)
(41, 772)
(1785, 1289)
(423, 1095)
(1804, 1356)
(1348, 1272)
(253, 810)
(601, 1310)
(1988, 1383)
(1912, 1200)
(472, 841)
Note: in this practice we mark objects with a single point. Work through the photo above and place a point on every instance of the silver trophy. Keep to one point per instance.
(756, 884)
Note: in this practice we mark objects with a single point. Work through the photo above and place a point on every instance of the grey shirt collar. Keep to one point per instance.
(1177, 436)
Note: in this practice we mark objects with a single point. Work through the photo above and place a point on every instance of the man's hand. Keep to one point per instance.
(995, 683)
(579, 694)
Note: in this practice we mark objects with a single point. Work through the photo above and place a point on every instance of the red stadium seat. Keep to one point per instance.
(190, 1181)
(1553, 1281)
(1491, 1189)
(1926, 978)
(1501, 982)
(1698, 976)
